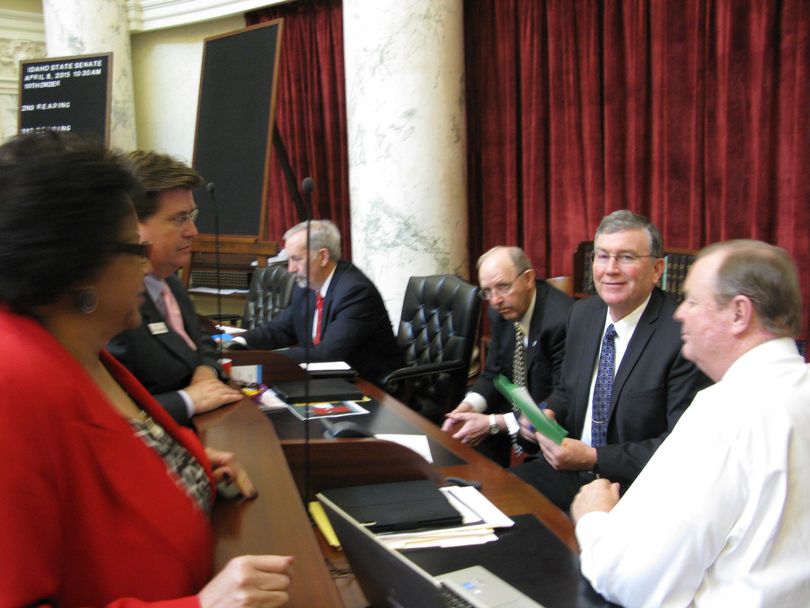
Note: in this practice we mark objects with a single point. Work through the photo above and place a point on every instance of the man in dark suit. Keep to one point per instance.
(624, 383)
(168, 353)
(515, 297)
(347, 319)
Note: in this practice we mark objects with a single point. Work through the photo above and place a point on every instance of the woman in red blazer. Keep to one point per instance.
(105, 498)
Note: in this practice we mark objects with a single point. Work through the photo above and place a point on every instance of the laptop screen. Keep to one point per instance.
(385, 576)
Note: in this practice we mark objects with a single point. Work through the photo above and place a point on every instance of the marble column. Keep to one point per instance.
(407, 140)
(21, 38)
(85, 27)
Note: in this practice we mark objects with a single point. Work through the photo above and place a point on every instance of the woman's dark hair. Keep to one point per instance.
(63, 200)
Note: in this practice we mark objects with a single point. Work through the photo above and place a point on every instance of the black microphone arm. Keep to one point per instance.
(211, 189)
(307, 186)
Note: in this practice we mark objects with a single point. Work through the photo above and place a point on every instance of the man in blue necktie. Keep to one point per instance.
(623, 383)
(719, 515)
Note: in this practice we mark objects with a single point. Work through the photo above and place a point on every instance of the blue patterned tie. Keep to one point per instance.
(603, 389)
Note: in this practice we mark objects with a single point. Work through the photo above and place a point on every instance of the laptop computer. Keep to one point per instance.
(387, 578)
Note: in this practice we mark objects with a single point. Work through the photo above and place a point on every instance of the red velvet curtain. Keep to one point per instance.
(692, 112)
(310, 113)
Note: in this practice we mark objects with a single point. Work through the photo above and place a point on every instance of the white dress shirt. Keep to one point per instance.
(720, 516)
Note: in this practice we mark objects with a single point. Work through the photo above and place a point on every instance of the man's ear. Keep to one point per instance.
(323, 257)
(743, 314)
(658, 269)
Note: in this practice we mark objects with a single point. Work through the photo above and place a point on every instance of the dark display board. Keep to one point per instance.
(234, 127)
(66, 94)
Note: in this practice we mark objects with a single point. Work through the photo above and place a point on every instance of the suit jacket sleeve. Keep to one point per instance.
(162, 369)
(280, 331)
(352, 320)
(499, 361)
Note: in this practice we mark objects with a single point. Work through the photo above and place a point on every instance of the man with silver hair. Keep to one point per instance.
(623, 383)
(719, 516)
(347, 321)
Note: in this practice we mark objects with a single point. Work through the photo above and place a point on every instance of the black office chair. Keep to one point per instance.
(269, 293)
(437, 333)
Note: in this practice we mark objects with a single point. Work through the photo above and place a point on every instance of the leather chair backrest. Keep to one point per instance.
(269, 293)
(439, 320)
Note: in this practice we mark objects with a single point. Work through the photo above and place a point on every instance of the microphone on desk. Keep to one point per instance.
(211, 189)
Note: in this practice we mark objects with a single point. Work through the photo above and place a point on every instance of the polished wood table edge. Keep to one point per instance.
(276, 522)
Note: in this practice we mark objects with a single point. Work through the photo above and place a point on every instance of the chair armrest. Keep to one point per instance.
(417, 371)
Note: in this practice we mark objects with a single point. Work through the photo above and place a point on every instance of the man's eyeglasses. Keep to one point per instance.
(624, 260)
(500, 289)
(180, 219)
(143, 250)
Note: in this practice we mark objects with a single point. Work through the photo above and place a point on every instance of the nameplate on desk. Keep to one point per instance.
(247, 374)
(329, 369)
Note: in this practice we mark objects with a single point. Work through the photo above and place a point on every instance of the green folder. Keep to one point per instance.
(519, 397)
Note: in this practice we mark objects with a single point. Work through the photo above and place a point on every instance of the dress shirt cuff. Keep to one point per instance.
(189, 403)
(512, 425)
(240, 340)
(478, 402)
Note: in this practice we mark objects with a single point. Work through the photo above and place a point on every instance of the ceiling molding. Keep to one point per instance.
(17, 25)
(149, 15)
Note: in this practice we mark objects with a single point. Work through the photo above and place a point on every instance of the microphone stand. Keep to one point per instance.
(307, 186)
(211, 189)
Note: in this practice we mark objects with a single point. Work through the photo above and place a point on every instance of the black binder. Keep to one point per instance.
(398, 506)
(320, 390)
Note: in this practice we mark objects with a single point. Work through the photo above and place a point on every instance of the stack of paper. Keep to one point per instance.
(480, 519)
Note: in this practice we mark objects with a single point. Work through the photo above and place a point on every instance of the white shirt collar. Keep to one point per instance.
(627, 325)
(325, 287)
(526, 321)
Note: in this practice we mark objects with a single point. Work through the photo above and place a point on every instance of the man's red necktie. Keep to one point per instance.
(319, 317)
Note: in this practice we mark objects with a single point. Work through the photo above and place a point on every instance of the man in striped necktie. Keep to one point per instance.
(527, 321)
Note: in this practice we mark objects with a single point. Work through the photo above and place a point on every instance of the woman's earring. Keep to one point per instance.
(87, 300)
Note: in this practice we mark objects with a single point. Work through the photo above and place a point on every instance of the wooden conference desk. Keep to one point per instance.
(276, 521)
